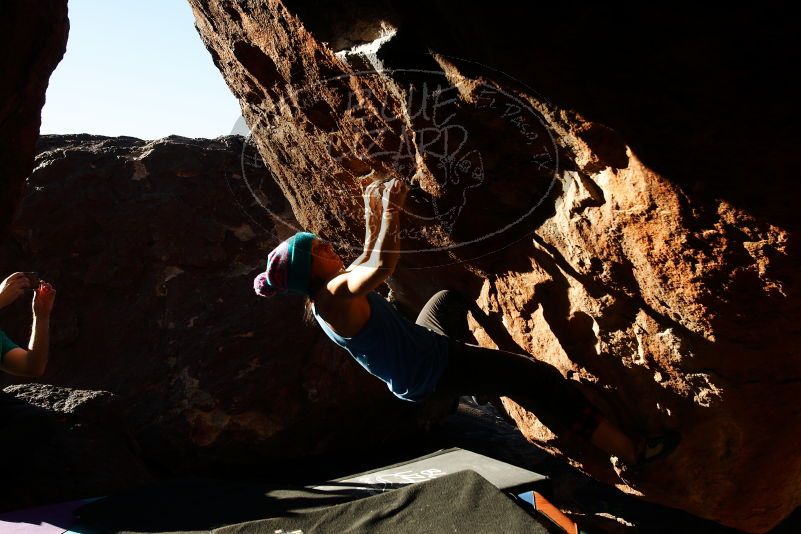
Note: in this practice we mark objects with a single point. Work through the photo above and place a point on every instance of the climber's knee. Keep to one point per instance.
(450, 298)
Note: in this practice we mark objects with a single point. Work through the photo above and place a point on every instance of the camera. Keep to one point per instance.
(33, 279)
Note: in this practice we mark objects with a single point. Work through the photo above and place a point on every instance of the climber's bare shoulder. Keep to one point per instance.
(346, 316)
(355, 283)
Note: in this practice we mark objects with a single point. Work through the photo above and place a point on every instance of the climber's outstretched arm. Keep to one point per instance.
(386, 252)
(365, 277)
(372, 221)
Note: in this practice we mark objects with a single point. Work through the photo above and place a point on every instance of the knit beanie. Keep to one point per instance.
(288, 267)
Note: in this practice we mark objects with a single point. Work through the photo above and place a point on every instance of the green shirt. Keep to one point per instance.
(5, 345)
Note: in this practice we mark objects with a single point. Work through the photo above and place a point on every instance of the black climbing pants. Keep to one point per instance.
(474, 370)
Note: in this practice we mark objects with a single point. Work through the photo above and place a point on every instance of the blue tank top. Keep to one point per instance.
(409, 357)
(5, 345)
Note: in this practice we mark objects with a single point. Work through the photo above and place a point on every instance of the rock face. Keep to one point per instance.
(33, 38)
(153, 247)
(632, 225)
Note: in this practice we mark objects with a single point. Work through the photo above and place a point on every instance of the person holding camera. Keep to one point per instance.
(33, 360)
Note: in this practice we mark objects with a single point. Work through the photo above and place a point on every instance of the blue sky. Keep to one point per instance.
(139, 68)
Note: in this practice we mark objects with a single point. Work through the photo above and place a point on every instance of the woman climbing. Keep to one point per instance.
(431, 355)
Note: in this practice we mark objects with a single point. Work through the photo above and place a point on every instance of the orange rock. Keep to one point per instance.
(637, 231)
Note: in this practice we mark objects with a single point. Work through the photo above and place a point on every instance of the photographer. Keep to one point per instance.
(33, 361)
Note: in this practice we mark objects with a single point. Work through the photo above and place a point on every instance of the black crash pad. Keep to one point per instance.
(200, 505)
(459, 502)
(504, 476)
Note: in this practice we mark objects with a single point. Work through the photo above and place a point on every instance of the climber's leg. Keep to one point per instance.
(610, 438)
(535, 385)
(539, 388)
(446, 313)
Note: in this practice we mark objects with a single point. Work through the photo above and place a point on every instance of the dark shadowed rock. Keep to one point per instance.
(33, 38)
(633, 223)
(61, 444)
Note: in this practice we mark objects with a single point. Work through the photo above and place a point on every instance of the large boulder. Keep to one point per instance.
(33, 38)
(630, 222)
(152, 246)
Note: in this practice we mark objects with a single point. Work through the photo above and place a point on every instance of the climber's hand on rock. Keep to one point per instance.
(372, 197)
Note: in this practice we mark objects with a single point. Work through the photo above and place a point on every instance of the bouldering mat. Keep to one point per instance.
(50, 519)
(459, 502)
(193, 505)
(502, 475)
(200, 504)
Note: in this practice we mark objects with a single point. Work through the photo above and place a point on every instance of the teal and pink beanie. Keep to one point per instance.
(288, 267)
